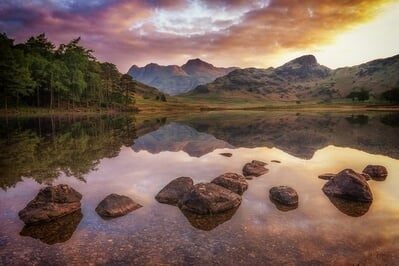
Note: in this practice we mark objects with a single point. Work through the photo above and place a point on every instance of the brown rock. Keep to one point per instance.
(115, 205)
(232, 181)
(209, 198)
(226, 154)
(51, 203)
(173, 192)
(327, 176)
(376, 172)
(349, 185)
(254, 168)
(275, 161)
(284, 195)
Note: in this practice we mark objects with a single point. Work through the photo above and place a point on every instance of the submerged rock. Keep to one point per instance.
(209, 198)
(349, 185)
(51, 203)
(284, 195)
(376, 172)
(173, 192)
(350, 208)
(58, 230)
(115, 205)
(232, 181)
(208, 222)
(254, 168)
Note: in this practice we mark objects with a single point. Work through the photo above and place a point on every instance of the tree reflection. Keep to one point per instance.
(43, 148)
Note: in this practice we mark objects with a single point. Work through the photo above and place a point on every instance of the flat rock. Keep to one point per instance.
(51, 203)
(209, 198)
(275, 161)
(327, 176)
(173, 192)
(232, 181)
(115, 205)
(349, 185)
(284, 195)
(254, 168)
(226, 154)
(376, 172)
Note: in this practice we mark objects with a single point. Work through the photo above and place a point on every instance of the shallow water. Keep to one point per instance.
(136, 157)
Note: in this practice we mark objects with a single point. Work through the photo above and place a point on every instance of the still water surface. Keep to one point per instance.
(137, 157)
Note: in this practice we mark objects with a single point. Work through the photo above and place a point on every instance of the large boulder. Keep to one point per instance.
(209, 198)
(284, 195)
(173, 192)
(255, 168)
(51, 203)
(115, 205)
(232, 181)
(349, 185)
(376, 172)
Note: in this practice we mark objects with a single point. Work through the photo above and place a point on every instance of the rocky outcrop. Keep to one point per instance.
(284, 195)
(232, 181)
(254, 168)
(209, 198)
(349, 185)
(51, 203)
(376, 172)
(115, 205)
(173, 192)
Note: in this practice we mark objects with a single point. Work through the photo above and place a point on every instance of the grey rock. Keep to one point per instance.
(173, 192)
(115, 205)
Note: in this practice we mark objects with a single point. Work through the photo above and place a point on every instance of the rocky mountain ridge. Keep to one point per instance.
(173, 79)
(305, 79)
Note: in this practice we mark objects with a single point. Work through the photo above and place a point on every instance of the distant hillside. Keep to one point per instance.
(305, 79)
(174, 79)
(147, 92)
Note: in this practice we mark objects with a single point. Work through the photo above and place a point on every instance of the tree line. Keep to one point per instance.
(36, 73)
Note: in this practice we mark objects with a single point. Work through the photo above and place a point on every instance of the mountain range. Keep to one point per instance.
(304, 79)
(175, 79)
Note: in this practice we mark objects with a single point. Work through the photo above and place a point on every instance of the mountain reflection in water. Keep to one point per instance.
(95, 156)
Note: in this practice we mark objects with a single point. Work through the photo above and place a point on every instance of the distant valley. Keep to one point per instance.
(174, 79)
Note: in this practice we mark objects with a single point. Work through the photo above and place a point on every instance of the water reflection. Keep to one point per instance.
(57, 231)
(350, 208)
(282, 207)
(43, 148)
(208, 222)
(176, 137)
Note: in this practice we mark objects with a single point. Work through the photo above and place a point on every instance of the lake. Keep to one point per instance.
(137, 156)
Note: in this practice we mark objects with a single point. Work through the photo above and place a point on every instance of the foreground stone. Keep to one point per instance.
(232, 181)
(376, 172)
(349, 185)
(209, 198)
(284, 195)
(173, 192)
(254, 168)
(51, 203)
(115, 205)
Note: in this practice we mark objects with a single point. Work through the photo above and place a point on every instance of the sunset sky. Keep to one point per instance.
(257, 33)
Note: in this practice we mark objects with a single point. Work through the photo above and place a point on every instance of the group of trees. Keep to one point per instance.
(36, 73)
(361, 95)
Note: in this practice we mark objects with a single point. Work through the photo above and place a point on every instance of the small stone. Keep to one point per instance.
(284, 195)
(376, 172)
(327, 176)
(226, 154)
(232, 181)
(275, 161)
(254, 168)
(115, 205)
(174, 191)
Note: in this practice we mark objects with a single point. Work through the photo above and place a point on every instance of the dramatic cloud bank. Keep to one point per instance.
(226, 33)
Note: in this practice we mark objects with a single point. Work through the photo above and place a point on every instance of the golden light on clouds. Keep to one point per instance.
(258, 33)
